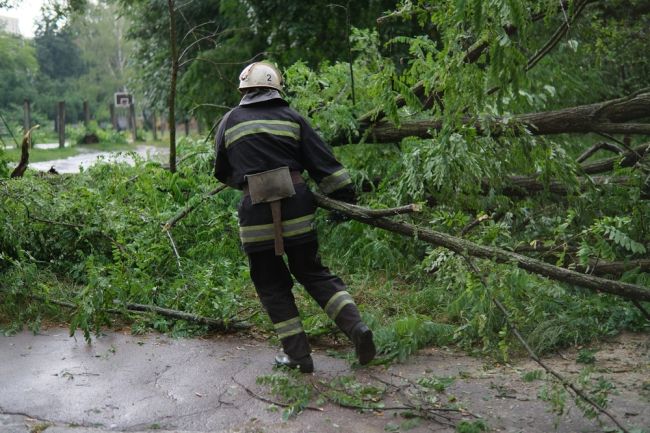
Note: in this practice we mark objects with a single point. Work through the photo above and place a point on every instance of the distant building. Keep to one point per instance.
(9, 25)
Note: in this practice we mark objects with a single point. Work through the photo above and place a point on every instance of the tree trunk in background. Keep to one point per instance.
(172, 87)
(60, 115)
(27, 119)
(86, 115)
(134, 131)
(154, 120)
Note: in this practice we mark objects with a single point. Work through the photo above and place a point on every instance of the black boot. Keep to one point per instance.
(304, 364)
(364, 346)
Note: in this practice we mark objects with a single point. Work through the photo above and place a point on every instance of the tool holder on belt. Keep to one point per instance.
(271, 187)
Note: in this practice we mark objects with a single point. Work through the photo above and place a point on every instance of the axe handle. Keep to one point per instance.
(276, 213)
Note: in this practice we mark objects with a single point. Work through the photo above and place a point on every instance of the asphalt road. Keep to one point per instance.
(123, 383)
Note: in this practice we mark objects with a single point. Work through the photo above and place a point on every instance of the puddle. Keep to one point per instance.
(72, 164)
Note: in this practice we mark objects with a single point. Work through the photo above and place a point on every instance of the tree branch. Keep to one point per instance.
(213, 324)
(462, 246)
(557, 36)
(531, 353)
(596, 147)
(628, 159)
(602, 117)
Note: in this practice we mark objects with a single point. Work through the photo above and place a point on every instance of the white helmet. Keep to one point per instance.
(260, 74)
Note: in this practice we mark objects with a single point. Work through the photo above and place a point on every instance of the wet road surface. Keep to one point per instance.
(132, 383)
(89, 157)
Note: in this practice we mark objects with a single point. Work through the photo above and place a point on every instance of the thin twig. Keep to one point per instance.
(185, 212)
(473, 224)
(70, 304)
(269, 401)
(178, 257)
(167, 312)
(531, 353)
(561, 31)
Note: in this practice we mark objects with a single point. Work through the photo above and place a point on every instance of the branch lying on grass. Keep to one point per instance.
(567, 385)
(213, 324)
(462, 246)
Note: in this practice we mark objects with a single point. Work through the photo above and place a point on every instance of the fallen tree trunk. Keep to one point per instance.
(628, 159)
(602, 117)
(462, 246)
(597, 267)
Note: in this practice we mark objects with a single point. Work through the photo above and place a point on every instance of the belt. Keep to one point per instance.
(296, 178)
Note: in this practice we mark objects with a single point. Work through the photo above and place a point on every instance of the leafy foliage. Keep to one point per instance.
(111, 246)
(295, 393)
(100, 232)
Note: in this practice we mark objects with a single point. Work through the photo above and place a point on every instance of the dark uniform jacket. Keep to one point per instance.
(264, 133)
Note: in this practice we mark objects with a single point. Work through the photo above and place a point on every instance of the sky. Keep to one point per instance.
(26, 12)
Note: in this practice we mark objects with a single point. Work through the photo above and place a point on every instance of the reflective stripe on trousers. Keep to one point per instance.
(264, 232)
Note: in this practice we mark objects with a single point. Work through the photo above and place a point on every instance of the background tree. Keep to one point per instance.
(18, 70)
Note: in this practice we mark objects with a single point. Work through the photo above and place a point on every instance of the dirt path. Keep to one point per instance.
(138, 383)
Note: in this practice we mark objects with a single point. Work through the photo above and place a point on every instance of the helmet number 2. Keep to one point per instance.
(268, 77)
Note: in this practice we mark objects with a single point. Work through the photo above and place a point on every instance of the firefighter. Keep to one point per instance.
(264, 145)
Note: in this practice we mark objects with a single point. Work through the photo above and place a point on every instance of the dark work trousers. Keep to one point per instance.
(273, 283)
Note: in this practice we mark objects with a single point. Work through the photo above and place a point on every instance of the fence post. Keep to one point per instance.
(27, 118)
(132, 116)
(60, 115)
(86, 115)
(186, 122)
(111, 108)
